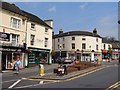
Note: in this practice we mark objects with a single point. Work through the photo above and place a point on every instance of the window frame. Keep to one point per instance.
(73, 45)
(84, 44)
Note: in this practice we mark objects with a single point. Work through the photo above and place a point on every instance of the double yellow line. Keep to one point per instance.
(117, 84)
(87, 73)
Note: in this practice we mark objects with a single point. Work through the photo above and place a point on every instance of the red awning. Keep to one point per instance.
(104, 51)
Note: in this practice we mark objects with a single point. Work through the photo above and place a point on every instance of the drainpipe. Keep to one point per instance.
(26, 54)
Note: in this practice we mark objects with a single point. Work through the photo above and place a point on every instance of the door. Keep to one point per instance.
(3, 61)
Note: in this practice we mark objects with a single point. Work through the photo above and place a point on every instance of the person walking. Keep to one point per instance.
(17, 64)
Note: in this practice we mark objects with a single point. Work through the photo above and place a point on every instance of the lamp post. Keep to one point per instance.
(82, 55)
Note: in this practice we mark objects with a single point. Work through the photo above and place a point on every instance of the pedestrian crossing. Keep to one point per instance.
(22, 83)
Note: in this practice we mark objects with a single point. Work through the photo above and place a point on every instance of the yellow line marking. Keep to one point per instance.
(70, 78)
(114, 86)
(85, 74)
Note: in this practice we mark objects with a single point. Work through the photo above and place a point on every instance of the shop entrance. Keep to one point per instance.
(3, 61)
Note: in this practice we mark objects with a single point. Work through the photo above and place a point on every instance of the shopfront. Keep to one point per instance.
(36, 56)
(9, 54)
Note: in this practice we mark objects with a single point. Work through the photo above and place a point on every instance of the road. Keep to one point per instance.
(9, 80)
(104, 78)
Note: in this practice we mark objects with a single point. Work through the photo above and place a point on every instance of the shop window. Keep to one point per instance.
(32, 39)
(46, 42)
(15, 23)
(73, 45)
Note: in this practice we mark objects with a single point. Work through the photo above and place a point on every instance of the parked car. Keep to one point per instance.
(65, 60)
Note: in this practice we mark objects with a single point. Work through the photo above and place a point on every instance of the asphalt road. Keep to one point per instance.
(9, 80)
(99, 79)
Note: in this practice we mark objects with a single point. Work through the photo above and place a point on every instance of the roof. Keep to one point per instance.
(104, 40)
(34, 18)
(115, 45)
(81, 33)
(13, 8)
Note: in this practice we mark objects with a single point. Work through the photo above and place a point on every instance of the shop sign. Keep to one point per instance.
(31, 58)
(4, 36)
(9, 49)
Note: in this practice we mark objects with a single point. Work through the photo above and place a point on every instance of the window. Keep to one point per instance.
(63, 45)
(96, 39)
(58, 40)
(83, 39)
(32, 26)
(32, 38)
(15, 39)
(63, 39)
(58, 46)
(108, 47)
(73, 38)
(46, 29)
(46, 42)
(15, 23)
(83, 46)
(104, 46)
(73, 45)
(97, 47)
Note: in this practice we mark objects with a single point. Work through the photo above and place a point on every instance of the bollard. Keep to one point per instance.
(41, 70)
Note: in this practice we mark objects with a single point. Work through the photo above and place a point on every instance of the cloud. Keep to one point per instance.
(51, 9)
(83, 5)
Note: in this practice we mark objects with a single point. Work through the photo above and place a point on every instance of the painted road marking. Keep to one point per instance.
(114, 86)
(87, 73)
(41, 82)
(14, 84)
(33, 85)
(8, 81)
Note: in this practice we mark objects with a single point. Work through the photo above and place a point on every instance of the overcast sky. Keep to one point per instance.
(84, 16)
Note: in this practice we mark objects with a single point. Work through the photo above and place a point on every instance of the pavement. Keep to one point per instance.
(52, 76)
(30, 69)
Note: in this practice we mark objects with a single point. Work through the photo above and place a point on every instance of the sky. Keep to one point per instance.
(77, 16)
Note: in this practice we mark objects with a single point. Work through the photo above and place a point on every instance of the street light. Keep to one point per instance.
(60, 50)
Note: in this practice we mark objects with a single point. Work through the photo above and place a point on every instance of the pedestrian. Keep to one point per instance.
(17, 64)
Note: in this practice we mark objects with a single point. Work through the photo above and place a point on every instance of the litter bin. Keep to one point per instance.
(41, 70)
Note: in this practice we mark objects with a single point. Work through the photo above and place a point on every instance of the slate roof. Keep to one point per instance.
(104, 40)
(115, 45)
(81, 33)
(13, 8)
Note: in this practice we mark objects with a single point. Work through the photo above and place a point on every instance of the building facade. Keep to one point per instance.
(106, 49)
(12, 35)
(25, 35)
(82, 45)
